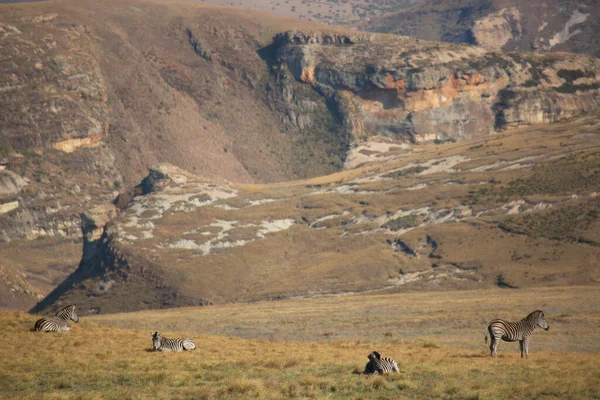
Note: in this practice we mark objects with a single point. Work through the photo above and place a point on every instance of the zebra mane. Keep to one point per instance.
(70, 308)
(534, 315)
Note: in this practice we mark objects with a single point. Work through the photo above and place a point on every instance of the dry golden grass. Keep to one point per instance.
(453, 318)
(97, 361)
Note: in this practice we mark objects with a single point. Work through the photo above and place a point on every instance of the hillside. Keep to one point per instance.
(507, 24)
(518, 209)
(95, 93)
(439, 349)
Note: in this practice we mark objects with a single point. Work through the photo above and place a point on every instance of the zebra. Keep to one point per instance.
(59, 322)
(515, 331)
(378, 365)
(161, 343)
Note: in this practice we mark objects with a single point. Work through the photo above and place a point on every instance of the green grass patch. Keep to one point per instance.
(564, 223)
(405, 222)
(408, 171)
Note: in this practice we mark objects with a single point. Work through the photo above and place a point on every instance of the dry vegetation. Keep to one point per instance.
(97, 361)
(446, 318)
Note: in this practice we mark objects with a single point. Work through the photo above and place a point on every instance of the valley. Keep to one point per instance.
(193, 154)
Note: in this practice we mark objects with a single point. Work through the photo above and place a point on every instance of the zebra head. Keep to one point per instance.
(537, 317)
(375, 358)
(156, 340)
(68, 313)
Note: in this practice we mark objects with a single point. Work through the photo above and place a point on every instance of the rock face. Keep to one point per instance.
(495, 30)
(430, 217)
(430, 91)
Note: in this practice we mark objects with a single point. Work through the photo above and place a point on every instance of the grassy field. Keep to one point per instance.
(426, 333)
(453, 318)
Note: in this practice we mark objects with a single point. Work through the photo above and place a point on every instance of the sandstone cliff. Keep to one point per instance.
(425, 91)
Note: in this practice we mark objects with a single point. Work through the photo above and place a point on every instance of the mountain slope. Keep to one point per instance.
(515, 210)
(93, 93)
(508, 24)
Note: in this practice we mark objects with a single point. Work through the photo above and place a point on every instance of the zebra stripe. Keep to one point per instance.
(515, 331)
(58, 323)
(161, 343)
(378, 365)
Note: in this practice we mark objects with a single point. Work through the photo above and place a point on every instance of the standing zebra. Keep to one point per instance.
(163, 344)
(513, 331)
(58, 323)
(378, 365)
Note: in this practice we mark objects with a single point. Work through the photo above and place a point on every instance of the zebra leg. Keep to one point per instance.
(494, 341)
(521, 347)
(526, 345)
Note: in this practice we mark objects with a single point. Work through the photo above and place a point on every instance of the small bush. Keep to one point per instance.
(530, 83)
(571, 75)
(5, 147)
(501, 282)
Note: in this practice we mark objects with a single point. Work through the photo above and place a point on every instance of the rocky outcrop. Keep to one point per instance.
(431, 91)
(323, 38)
(10, 183)
(497, 29)
(70, 145)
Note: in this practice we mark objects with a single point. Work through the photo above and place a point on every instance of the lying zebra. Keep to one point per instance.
(513, 331)
(59, 322)
(378, 365)
(163, 344)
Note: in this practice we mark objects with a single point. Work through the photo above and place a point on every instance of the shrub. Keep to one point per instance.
(405, 222)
